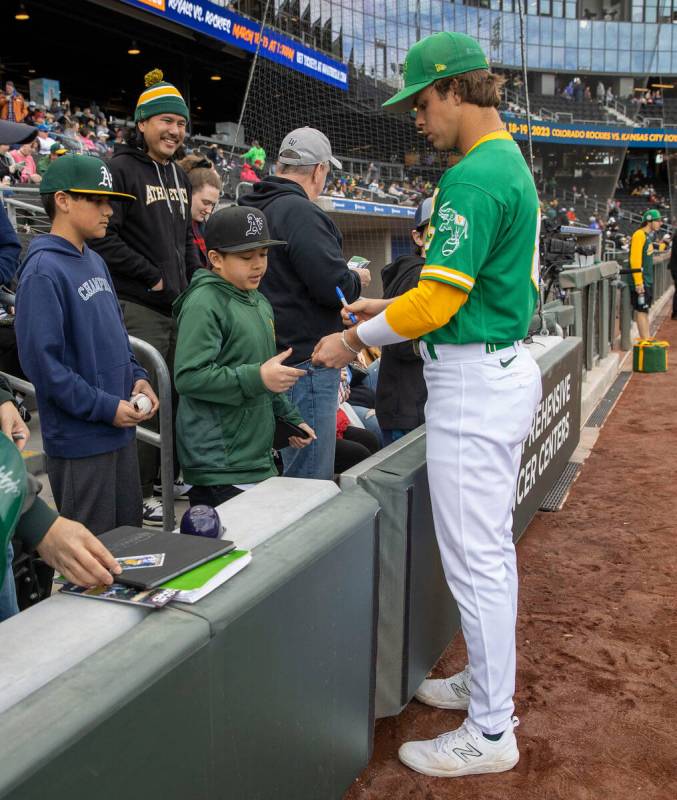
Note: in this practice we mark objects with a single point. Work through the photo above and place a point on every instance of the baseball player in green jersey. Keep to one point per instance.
(641, 268)
(471, 310)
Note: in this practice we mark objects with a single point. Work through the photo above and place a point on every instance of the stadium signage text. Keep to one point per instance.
(553, 436)
(233, 29)
(379, 209)
(575, 133)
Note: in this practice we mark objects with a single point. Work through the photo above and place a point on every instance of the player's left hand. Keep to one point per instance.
(330, 352)
(144, 387)
(297, 442)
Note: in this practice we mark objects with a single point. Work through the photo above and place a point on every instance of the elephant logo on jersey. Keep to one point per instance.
(457, 226)
(255, 225)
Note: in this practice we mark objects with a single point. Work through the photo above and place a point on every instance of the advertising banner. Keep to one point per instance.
(555, 431)
(244, 33)
(589, 134)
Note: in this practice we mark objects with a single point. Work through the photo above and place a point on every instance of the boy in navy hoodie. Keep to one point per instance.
(74, 347)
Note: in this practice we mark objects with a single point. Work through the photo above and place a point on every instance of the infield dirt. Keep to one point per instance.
(596, 632)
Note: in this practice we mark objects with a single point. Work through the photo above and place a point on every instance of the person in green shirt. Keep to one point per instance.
(55, 151)
(471, 310)
(256, 155)
(63, 544)
(230, 380)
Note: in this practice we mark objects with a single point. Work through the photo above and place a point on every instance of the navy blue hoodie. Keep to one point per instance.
(74, 347)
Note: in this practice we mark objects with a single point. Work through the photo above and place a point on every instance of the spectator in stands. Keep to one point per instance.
(578, 90)
(248, 175)
(230, 380)
(44, 140)
(600, 92)
(9, 171)
(255, 156)
(149, 247)
(609, 98)
(206, 185)
(23, 157)
(10, 247)
(571, 215)
(587, 94)
(101, 144)
(74, 348)
(401, 391)
(55, 152)
(301, 285)
(13, 107)
(594, 224)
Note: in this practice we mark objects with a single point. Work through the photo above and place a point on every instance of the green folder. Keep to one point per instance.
(196, 578)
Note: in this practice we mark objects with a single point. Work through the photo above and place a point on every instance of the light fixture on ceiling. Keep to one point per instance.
(22, 15)
(214, 77)
(133, 49)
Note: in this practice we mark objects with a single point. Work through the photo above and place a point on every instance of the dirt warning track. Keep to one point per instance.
(596, 632)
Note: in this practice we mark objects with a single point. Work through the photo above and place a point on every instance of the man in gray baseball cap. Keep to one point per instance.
(301, 284)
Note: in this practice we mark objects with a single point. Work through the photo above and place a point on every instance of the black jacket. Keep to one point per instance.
(673, 261)
(401, 392)
(146, 240)
(303, 275)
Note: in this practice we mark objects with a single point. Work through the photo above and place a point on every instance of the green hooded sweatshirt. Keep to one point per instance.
(226, 417)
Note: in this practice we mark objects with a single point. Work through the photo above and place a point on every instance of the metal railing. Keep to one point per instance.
(602, 310)
(162, 440)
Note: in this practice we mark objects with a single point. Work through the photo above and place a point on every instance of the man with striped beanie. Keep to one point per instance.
(149, 249)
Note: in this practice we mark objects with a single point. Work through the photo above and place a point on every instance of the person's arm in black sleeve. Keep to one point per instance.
(10, 248)
(315, 252)
(192, 256)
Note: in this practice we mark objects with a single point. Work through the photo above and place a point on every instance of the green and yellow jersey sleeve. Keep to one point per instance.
(637, 246)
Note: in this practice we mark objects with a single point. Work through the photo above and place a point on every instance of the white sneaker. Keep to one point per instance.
(451, 692)
(152, 513)
(462, 752)
(181, 489)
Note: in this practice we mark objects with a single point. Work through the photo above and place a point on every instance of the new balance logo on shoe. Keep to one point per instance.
(467, 752)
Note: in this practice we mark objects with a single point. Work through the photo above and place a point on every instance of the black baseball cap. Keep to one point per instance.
(237, 229)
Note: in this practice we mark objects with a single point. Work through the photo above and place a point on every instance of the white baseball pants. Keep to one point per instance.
(479, 412)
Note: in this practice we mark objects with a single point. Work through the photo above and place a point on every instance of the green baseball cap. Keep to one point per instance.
(80, 174)
(441, 55)
(652, 215)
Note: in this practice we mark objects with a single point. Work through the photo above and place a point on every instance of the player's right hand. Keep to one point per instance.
(363, 309)
(278, 378)
(127, 416)
(77, 554)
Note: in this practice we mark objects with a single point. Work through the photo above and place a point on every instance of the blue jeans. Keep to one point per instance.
(316, 397)
(392, 435)
(8, 603)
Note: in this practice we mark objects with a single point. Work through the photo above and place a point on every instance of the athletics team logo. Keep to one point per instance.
(106, 178)
(457, 226)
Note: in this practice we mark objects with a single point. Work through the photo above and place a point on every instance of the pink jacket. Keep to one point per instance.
(29, 168)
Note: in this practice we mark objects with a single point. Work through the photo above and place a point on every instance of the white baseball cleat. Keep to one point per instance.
(462, 752)
(451, 692)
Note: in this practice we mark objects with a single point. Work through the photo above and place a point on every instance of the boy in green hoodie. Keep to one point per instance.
(230, 381)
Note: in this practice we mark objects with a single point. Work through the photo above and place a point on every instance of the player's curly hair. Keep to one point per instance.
(479, 87)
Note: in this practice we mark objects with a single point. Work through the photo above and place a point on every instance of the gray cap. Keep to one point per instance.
(305, 147)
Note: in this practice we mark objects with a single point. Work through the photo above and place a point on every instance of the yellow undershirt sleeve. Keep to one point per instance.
(424, 309)
(636, 250)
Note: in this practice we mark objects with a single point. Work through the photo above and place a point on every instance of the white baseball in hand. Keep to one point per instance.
(142, 403)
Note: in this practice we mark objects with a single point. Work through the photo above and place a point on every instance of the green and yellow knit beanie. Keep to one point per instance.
(159, 97)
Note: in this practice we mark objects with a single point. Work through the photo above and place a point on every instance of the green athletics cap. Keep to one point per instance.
(82, 175)
(652, 215)
(441, 55)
